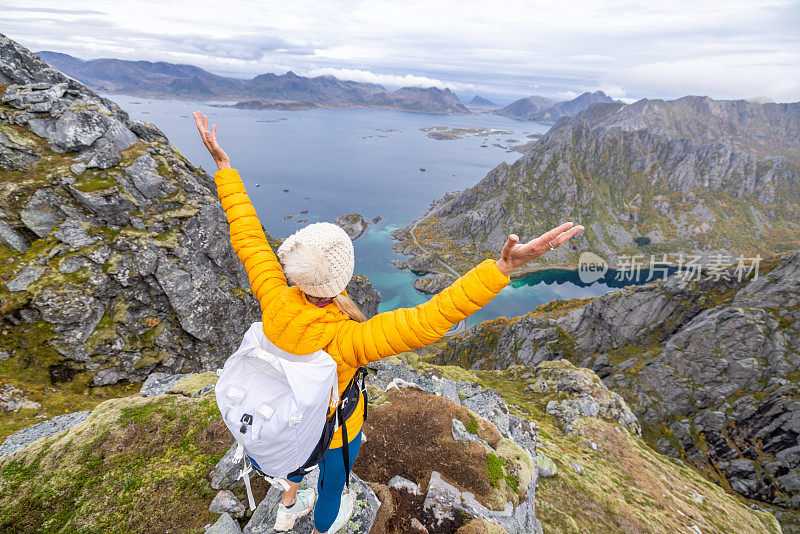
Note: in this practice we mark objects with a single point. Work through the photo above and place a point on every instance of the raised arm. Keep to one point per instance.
(405, 329)
(247, 236)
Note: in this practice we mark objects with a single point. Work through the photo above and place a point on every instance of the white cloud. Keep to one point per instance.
(716, 76)
(406, 80)
(662, 48)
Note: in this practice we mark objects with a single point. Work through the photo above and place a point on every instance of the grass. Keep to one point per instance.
(136, 465)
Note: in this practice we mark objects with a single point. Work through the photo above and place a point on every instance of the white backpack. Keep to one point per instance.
(276, 405)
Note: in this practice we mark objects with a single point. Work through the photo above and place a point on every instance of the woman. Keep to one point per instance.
(315, 313)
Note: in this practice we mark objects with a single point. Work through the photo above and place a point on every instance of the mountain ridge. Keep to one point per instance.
(264, 91)
(545, 110)
(692, 175)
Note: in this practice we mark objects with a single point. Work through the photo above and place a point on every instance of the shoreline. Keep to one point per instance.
(285, 105)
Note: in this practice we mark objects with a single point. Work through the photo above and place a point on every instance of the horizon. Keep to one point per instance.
(736, 50)
(468, 96)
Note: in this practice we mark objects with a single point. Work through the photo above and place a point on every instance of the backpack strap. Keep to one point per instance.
(345, 447)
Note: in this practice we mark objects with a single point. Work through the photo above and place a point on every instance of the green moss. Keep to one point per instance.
(93, 181)
(129, 456)
(190, 385)
(472, 425)
(495, 469)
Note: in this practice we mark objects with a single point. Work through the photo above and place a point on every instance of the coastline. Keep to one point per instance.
(280, 105)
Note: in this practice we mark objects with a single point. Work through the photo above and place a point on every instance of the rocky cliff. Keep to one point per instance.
(693, 176)
(115, 258)
(446, 451)
(711, 368)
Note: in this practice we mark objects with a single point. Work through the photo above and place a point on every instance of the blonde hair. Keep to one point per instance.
(349, 307)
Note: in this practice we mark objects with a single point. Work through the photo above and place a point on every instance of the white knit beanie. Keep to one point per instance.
(318, 259)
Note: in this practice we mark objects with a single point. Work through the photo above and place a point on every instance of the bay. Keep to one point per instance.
(367, 161)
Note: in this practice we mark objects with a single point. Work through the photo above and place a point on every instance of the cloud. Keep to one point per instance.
(405, 80)
(662, 49)
(53, 10)
(779, 81)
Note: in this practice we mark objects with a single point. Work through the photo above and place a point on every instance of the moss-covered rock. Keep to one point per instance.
(192, 384)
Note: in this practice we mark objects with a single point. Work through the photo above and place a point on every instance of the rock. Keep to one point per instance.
(52, 426)
(418, 527)
(10, 238)
(24, 279)
(593, 446)
(72, 233)
(524, 432)
(434, 283)
(490, 405)
(226, 502)
(352, 223)
(42, 213)
(74, 130)
(225, 525)
(12, 400)
(144, 176)
(191, 385)
(102, 156)
(401, 484)
(364, 294)
(460, 433)
(577, 467)
(442, 503)
(225, 474)
(4, 356)
(545, 466)
(159, 383)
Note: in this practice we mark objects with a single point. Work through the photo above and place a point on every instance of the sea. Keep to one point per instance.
(301, 167)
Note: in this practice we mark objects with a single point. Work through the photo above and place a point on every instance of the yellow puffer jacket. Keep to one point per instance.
(297, 326)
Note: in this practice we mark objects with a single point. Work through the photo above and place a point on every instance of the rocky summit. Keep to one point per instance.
(710, 367)
(445, 451)
(695, 176)
(115, 259)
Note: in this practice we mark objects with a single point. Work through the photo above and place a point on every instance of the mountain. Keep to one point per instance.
(478, 100)
(539, 109)
(115, 259)
(710, 367)
(695, 176)
(472, 463)
(571, 107)
(285, 91)
(525, 108)
(144, 77)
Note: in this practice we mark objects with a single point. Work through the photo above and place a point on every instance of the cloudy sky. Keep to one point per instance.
(502, 50)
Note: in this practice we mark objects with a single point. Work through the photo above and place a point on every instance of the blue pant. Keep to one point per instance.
(330, 483)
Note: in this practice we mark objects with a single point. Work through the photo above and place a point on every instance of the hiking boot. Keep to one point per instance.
(346, 507)
(287, 516)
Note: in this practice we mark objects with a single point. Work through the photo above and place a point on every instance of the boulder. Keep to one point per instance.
(225, 525)
(225, 502)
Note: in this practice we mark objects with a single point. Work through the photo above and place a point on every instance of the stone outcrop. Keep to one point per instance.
(414, 474)
(352, 223)
(115, 259)
(709, 366)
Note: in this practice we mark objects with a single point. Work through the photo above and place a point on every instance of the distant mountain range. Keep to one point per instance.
(541, 109)
(285, 91)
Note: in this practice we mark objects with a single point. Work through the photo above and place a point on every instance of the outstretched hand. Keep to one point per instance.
(209, 138)
(515, 255)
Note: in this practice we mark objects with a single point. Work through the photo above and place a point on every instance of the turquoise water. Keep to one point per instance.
(359, 161)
